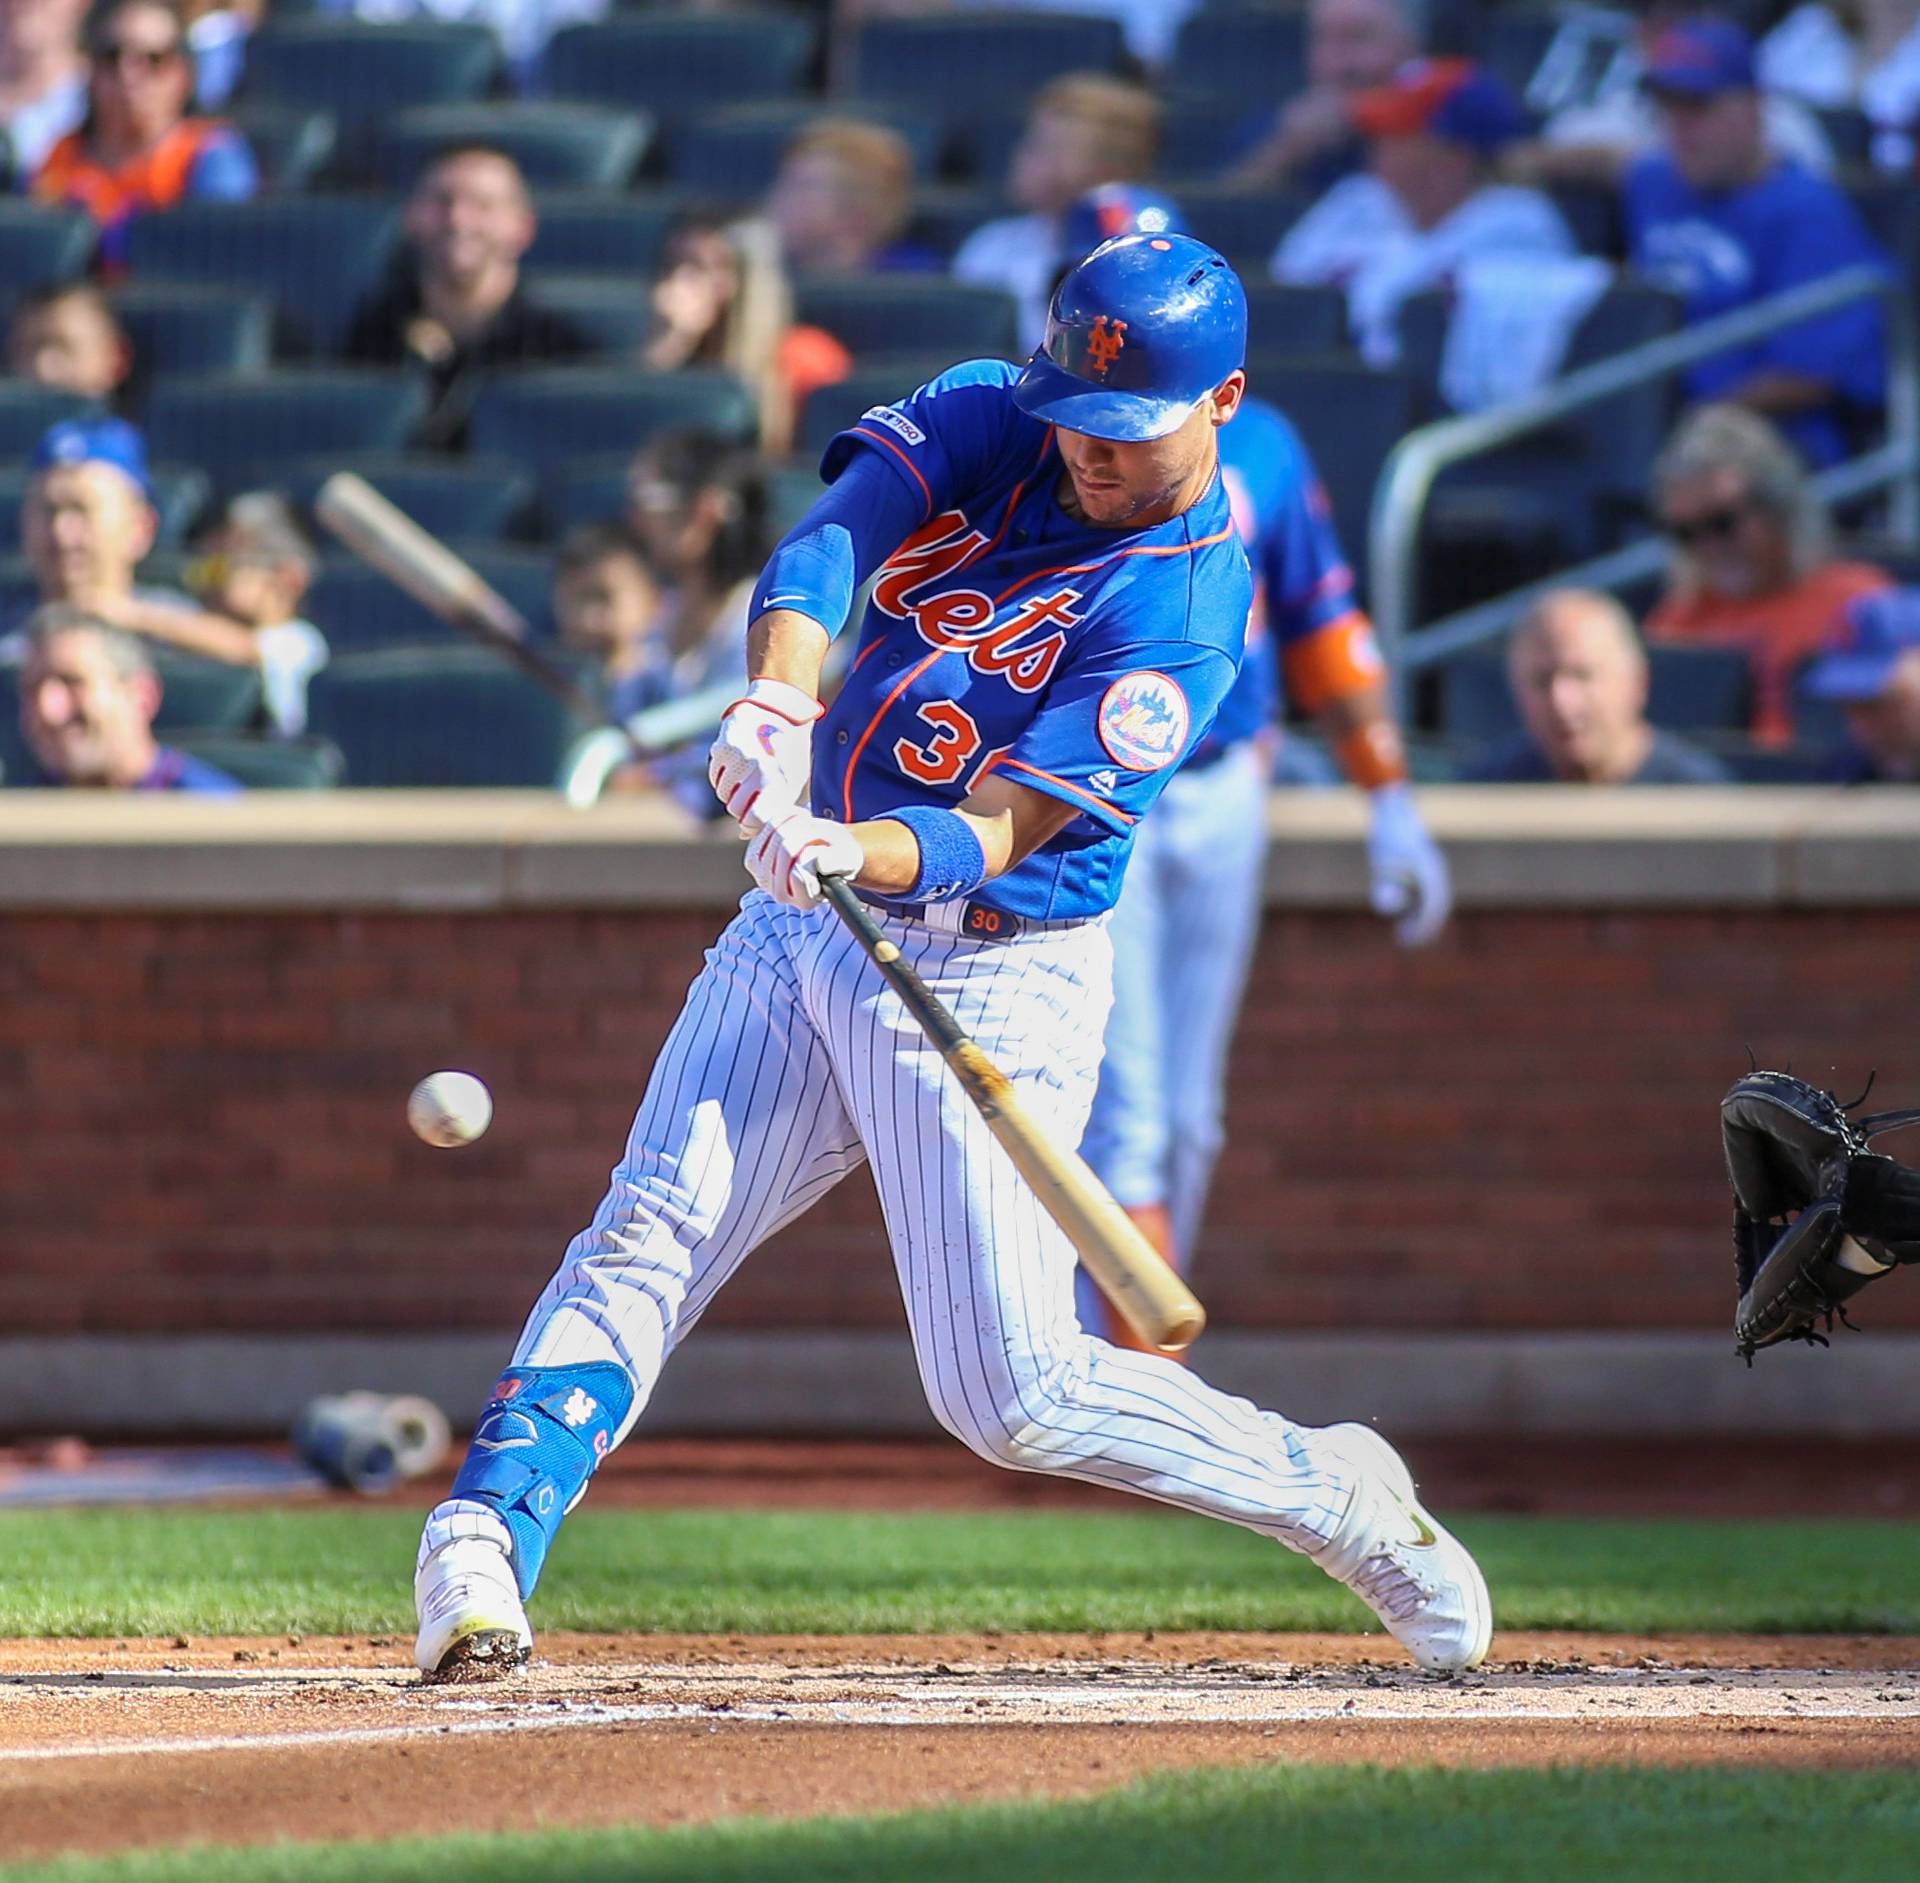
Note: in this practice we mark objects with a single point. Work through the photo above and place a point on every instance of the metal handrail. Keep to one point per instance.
(1406, 482)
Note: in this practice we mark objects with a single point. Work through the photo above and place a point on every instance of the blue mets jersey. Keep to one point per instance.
(1305, 618)
(1004, 635)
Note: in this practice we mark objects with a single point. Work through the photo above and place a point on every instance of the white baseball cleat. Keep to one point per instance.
(1413, 1573)
(472, 1623)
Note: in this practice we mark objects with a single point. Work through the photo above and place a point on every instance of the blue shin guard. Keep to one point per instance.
(540, 1439)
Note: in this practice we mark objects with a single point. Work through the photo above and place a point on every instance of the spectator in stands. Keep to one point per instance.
(1082, 130)
(1752, 566)
(1871, 667)
(88, 696)
(607, 606)
(217, 35)
(700, 508)
(138, 149)
(255, 567)
(43, 78)
(722, 299)
(68, 338)
(1599, 116)
(1579, 680)
(843, 199)
(87, 524)
(1864, 56)
(456, 308)
(524, 26)
(1310, 142)
(1723, 223)
(1427, 208)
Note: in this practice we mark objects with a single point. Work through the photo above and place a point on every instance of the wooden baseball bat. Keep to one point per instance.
(1157, 1304)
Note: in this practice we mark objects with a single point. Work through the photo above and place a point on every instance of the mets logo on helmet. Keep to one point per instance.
(1144, 720)
(1104, 344)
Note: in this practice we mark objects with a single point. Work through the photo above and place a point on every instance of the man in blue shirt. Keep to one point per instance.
(1723, 223)
(1059, 605)
(88, 695)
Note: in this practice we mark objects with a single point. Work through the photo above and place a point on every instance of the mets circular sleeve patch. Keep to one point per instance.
(1144, 720)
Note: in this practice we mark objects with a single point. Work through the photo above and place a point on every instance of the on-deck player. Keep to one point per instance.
(1060, 611)
(1184, 927)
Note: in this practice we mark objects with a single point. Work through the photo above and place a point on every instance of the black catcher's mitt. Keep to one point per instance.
(1817, 1213)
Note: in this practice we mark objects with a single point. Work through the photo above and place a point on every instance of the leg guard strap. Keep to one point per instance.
(540, 1439)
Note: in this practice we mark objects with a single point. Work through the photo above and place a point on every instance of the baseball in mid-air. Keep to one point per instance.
(449, 1109)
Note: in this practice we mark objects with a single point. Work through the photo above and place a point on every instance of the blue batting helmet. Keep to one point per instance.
(1116, 209)
(1138, 334)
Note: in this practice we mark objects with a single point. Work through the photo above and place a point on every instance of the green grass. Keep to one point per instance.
(1326, 1824)
(345, 1571)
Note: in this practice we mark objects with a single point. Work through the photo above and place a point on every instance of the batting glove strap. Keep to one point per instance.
(540, 1439)
(952, 863)
(785, 701)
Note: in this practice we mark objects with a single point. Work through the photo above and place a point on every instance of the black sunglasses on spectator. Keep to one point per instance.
(1715, 525)
(147, 58)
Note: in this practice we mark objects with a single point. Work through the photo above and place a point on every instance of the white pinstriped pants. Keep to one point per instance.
(791, 1063)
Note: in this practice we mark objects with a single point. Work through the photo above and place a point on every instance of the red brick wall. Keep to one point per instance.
(201, 1117)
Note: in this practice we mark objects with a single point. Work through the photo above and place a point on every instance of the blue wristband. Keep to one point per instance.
(952, 863)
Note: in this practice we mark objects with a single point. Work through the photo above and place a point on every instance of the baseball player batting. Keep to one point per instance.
(1184, 927)
(1059, 611)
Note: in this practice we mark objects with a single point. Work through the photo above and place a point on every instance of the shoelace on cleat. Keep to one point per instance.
(1387, 1583)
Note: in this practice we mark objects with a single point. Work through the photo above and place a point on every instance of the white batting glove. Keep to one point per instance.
(1409, 870)
(792, 851)
(765, 749)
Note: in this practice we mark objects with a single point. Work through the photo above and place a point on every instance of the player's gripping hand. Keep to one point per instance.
(765, 750)
(1409, 871)
(792, 851)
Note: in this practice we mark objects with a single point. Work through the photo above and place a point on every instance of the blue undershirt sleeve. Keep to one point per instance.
(861, 519)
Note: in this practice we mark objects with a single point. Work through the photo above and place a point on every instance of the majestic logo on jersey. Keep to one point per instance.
(896, 422)
(1144, 719)
(1022, 647)
(1104, 344)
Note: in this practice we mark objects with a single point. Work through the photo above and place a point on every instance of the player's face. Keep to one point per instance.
(469, 217)
(1122, 485)
(1352, 44)
(1580, 691)
(85, 528)
(86, 723)
(1888, 729)
(1717, 143)
(69, 345)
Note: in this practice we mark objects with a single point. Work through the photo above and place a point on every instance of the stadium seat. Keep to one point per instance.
(584, 490)
(360, 71)
(614, 312)
(1699, 689)
(1284, 321)
(447, 497)
(1514, 40)
(980, 141)
(182, 327)
(440, 716)
(1244, 225)
(790, 495)
(291, 146)
(1201, 135)
(239, 427)
(571, 146)
(179, 495)
(205, 695)
(358, 609)
(315, 255)
(1351, 416)
(541, 416)
(945, 215)
(26, 410)
(1592, 211)
(268, 764)
(16, 758)
(960, 63)
(40, 245)
(879, 316)
(833, 408)
(676, 64)
(1242, 55)
(589, 232)
(1849, 135)
(733, 153)
(1890, 207)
